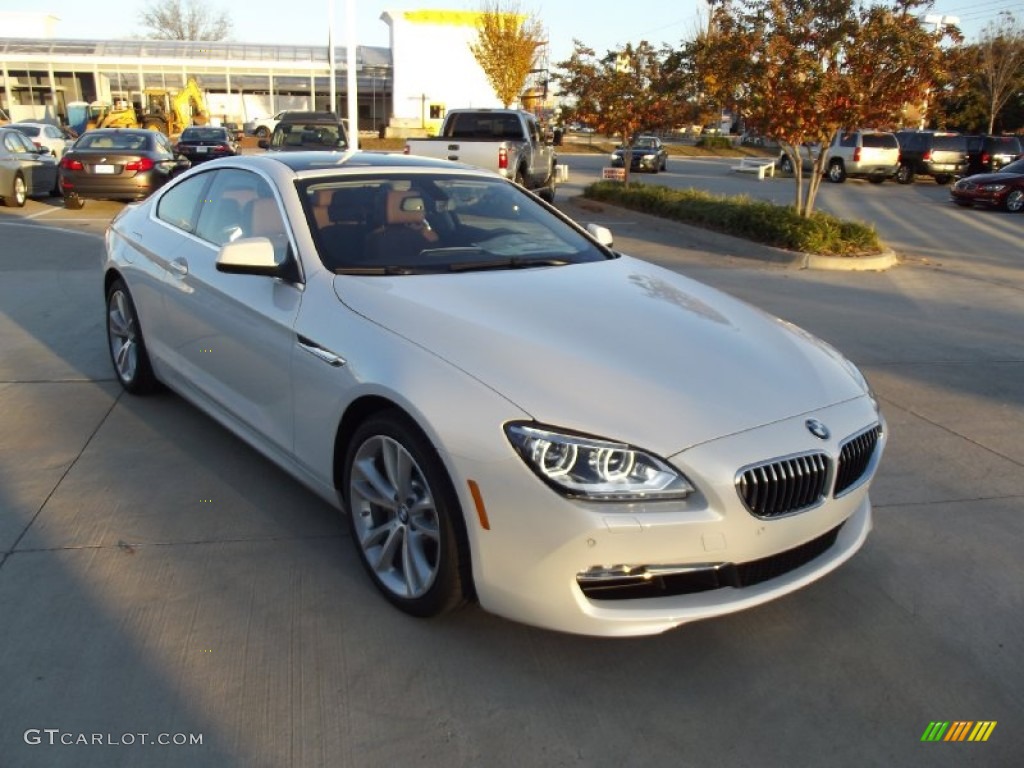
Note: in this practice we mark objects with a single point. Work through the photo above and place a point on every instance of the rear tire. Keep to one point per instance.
(943, 179)
(125, 343)
(1014, 202)
(73, 202)
(262, 132)
(836, 172)
(904, 174)
(19, 193)
(547, 192)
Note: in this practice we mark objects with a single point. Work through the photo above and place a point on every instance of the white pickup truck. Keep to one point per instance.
(507, 141)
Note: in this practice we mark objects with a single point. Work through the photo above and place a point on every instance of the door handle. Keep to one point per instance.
(178, 266)
(333, 360)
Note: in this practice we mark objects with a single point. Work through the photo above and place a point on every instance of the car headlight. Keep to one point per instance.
(595, 469)
(614, 157)
(992, 187)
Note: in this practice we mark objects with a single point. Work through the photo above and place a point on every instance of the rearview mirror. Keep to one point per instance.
(249, 256)
(603, 235)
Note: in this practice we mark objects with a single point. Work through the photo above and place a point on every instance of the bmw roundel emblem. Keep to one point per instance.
(817, 429)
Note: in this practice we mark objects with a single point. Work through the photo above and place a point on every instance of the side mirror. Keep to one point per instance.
(249, 256)
(603, 235)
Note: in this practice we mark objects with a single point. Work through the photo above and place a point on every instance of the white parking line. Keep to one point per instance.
(44, 212)
(97, 235)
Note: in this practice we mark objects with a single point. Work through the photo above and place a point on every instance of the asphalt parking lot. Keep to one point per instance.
(160, 581)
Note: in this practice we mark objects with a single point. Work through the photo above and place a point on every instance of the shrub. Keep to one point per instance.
(714, 142)
(756, 220)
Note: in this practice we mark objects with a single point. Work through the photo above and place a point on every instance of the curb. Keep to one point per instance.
(711, 241)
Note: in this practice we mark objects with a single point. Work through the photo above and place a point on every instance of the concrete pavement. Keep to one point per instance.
(159, 580)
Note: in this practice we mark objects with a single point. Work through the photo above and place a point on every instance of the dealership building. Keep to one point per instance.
(404, 88)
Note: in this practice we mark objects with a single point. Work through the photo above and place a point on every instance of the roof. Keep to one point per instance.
(15, 48)
(310, 161)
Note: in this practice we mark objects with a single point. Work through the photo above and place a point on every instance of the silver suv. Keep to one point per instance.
(874, 155)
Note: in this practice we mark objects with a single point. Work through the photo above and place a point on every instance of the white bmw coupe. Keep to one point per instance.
(506, 408)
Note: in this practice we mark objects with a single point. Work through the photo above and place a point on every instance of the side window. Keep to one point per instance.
(240, 204)
(179, 206)
(163, 144)
(848, 140)
(17, 143)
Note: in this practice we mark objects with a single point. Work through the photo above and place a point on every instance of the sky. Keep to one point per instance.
(603, 25)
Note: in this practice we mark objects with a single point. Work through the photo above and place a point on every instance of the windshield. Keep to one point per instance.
(406, 224)
(308, 136)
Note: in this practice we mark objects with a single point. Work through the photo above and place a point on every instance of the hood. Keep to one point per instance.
(991, 178)
(620, 349)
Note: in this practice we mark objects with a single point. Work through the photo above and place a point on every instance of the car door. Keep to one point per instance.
(231, 335)
(39, 172)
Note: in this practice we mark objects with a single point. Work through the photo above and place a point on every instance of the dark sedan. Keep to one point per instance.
(25, 170)
(649, 154)
(200, 143)
(1004, 189)
(117, 164)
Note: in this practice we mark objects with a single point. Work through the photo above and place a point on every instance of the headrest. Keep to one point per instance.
(405, 207)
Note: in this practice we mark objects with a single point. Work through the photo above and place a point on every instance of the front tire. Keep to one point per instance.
(262, 132)
(1014, 202)
(125, 343)
(19, 193)
(904, 174)
(404, 516)
(836, 172)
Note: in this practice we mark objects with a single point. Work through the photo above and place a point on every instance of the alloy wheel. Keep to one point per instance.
(395, 517)
(1015, 201)
(123, 336)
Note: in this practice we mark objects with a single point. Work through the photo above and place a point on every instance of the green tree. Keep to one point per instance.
(800, 70)
(506, 48)
(184, 20)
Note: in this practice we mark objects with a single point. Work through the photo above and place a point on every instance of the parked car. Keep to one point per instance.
(940, 155)
(55, 139)
(649, 154)
(508, 142)
(25, 169)
(405, 336)
(264, 126)
(987, 154)
(199, 143)
(809, 151)
(304, 131)
(117, 164)
(1002, 189)
(874, 155)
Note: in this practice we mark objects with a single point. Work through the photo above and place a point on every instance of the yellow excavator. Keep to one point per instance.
(170, 111)
(120, 114)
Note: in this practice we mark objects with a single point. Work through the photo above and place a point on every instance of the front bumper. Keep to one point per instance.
(545, 558)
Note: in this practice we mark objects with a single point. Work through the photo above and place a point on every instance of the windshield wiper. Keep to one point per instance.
(388, 270)
(508, 262)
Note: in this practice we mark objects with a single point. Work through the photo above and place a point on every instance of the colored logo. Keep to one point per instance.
(817, 429)
(959, 730)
